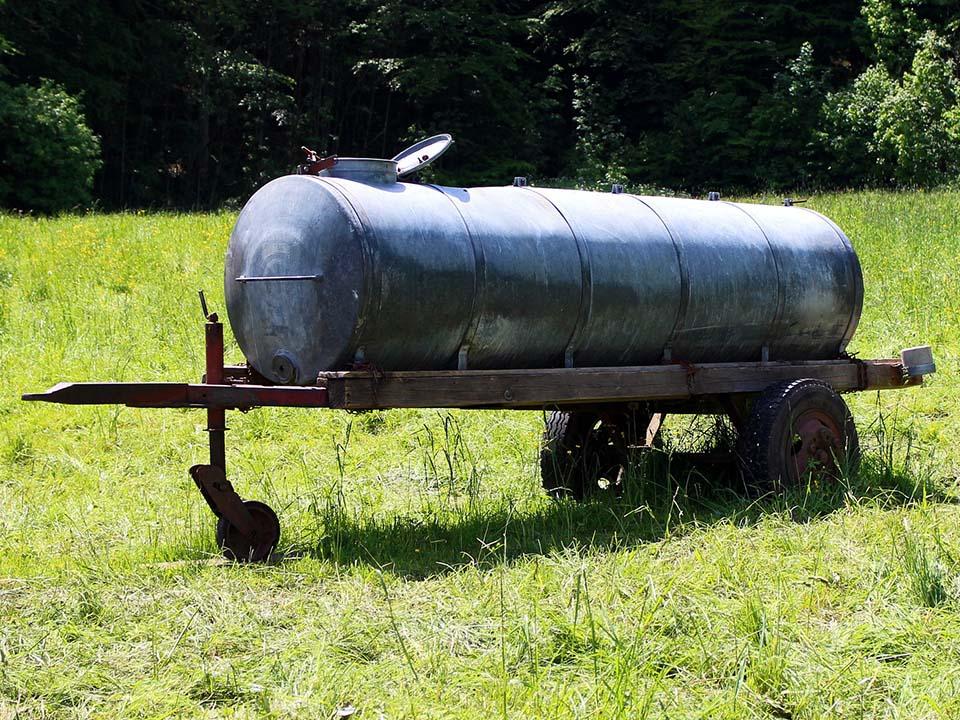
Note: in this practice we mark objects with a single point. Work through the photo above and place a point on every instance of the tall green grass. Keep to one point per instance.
(422, 572)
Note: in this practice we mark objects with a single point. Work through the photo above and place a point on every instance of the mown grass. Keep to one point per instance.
(422, 572)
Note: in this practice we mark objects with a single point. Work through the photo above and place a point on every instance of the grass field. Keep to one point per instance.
(422, 571)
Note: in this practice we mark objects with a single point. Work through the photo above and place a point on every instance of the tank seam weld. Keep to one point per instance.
(586, 281)
(781, 290)
(367, 252)
(684, 273)
(479, 274)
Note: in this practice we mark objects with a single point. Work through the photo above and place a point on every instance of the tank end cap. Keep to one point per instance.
(284, 367)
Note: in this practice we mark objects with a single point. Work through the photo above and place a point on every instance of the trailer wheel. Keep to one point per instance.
(239, 547)
(797, 431)
(583, 455)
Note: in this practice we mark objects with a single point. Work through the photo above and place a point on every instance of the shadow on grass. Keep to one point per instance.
(450, 536)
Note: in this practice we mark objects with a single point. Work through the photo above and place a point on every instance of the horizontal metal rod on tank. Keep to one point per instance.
(276, 278)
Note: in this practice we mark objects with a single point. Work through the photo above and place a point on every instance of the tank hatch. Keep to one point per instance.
(422, 154)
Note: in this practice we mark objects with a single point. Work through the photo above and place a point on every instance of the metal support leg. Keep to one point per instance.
(223, 499)
(216, 417)
(212, 479)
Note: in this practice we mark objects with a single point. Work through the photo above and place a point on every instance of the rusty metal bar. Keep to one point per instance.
(216, 416)
(182, 395)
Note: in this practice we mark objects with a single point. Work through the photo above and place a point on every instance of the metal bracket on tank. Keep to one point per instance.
(568, 358)
(462, 357)
(315, 164)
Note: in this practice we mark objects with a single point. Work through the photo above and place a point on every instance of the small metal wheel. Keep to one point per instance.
(798, 431)
(584, 454)
(239, 547)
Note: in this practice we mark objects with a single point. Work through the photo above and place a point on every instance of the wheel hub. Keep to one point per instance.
(817, 445)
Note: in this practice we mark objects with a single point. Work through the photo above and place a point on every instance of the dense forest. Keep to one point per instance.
(174, 103)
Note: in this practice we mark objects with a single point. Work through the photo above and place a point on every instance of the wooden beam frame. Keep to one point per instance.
(528, 389)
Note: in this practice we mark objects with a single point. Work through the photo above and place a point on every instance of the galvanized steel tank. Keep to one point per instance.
(324, 272)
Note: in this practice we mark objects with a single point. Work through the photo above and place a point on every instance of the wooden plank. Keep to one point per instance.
(569, 386)
(420, 374)
(887, 375)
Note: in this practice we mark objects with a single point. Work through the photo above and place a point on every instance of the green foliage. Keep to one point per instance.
(457, 68)
(783, 124)
(199, 103)
(919, 121)
(48, 155)
(895, 29)
(601, 150)
(901, 131)
(849, 128)
(257, 105)
(699, 95)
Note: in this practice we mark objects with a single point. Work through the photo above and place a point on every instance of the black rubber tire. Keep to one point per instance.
(581, 456)
(769, 445)
(238, 547)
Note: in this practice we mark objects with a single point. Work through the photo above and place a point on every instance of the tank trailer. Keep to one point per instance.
(349, 288)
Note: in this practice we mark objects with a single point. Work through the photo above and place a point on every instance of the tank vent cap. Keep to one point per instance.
(616, 188)
(519, 181)
(918, 361)
(713, 195)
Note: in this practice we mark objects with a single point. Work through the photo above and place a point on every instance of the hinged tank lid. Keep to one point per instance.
(422, 154)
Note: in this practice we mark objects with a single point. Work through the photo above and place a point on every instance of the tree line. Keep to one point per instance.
(173, 103)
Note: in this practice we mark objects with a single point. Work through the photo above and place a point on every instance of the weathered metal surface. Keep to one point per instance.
(918, 360)
(182, 395)
(818, 442)
(369, 170)
(221, 497)
(277, 278)
(425, 277)
(216, 416)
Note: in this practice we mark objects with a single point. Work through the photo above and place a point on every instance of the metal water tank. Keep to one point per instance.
(355, 267)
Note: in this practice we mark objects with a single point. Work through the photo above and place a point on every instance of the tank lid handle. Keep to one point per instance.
(422, 153)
